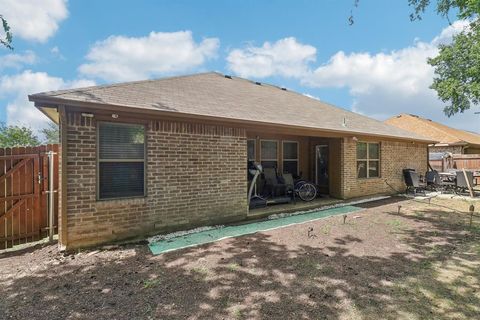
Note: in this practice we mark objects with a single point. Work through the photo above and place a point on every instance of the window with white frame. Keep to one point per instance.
(290, 157)
(121, 160)
(251, 149)
(269, 153)
(368, 160)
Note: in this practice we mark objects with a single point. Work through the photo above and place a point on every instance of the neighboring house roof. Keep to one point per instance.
(434, 130)
(215, 96)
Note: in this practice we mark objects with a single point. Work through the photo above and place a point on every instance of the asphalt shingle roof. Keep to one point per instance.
(214, 95)
(434, 130)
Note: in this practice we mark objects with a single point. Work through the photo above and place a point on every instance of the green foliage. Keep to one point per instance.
(457, 72)
(17, 136)
(466, 9)
(8, 37)
(52, 135)
(457, 67)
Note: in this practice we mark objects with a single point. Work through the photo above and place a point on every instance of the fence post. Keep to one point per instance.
(51, 195)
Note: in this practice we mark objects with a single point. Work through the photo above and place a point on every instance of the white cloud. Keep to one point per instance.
(55, 51)
(386, 84)
(120, 58)
(15, 90)
(32, 19)
(16, 60)
(447, 33)
(286, 57)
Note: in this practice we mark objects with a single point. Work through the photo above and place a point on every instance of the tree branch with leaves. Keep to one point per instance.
(7, 37)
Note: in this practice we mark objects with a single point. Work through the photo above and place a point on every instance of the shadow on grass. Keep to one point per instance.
(255, 277)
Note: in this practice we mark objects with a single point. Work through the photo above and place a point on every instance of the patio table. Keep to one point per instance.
(447, 176)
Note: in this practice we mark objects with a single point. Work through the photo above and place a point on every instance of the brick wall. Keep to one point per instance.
(394, 156)
(196, 175)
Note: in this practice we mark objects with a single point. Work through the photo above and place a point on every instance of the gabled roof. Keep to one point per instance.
(434, 130)
(215, 96)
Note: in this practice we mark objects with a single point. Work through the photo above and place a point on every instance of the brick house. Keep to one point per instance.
(449, 139)
(154, 156)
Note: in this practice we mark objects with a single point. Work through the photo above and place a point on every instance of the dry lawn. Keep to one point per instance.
(422, 262)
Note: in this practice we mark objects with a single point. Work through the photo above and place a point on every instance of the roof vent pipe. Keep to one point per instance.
(344, 124)
(228, 77)
(258, 83)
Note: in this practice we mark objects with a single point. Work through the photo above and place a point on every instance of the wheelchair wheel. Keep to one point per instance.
(307, 191)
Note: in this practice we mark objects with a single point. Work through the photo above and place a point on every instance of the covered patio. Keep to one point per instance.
(314, 159)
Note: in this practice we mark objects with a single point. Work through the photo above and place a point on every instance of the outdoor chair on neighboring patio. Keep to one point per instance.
(435, 182)
(464, 183)
(412, 180)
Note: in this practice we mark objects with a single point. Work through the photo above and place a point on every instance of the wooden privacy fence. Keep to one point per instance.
(24, 185)
(457, 161)
(466, 161)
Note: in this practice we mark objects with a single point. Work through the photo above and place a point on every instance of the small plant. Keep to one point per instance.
(200, 271)
(224, 302)
(395, 223)
(326, 229)
(233, 266)
(150, 283)
(326, 270)
(237, 313)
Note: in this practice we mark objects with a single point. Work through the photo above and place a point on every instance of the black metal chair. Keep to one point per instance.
(412, 180)
(435, 182)
(290, 184)
(272, 184)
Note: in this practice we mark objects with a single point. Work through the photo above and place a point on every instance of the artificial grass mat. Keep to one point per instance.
(202, 237)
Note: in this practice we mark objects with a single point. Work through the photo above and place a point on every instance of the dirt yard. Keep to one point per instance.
(422, 262)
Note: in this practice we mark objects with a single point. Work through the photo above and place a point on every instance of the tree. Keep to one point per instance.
(457, 66)
(7, 38)
(457, 72)
(17, 136)
(51, 133)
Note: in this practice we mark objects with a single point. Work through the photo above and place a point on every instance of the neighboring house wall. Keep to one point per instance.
(196, 175)
(394, 157)
(471, 150)
(451, 149)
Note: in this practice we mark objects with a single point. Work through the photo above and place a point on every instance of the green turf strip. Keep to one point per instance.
(195, 239)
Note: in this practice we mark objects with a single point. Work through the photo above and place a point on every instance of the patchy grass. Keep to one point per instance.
(200, 272)
(150, 283)
(395, 224)
(233, 266)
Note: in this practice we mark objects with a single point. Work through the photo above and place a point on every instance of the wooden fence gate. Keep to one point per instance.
(24, 183)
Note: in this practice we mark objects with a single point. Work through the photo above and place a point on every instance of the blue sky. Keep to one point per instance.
(376, 67)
